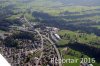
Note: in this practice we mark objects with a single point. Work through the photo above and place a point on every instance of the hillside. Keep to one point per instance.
(67, 2)
(78, 23)
(54, 2)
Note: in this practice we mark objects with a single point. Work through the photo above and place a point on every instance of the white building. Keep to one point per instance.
(57, 36)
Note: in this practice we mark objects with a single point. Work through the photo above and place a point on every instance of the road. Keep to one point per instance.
(41, 47)
(41, 40)
(27, 21)
(56, 49)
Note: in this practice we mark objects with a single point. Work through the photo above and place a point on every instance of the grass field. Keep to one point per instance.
(96, 26)
(71, 54)
(84, 38)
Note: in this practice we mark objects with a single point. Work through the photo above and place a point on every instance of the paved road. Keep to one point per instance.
(41, 40)
(56, 49)
(41, 47)
(27, 21)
